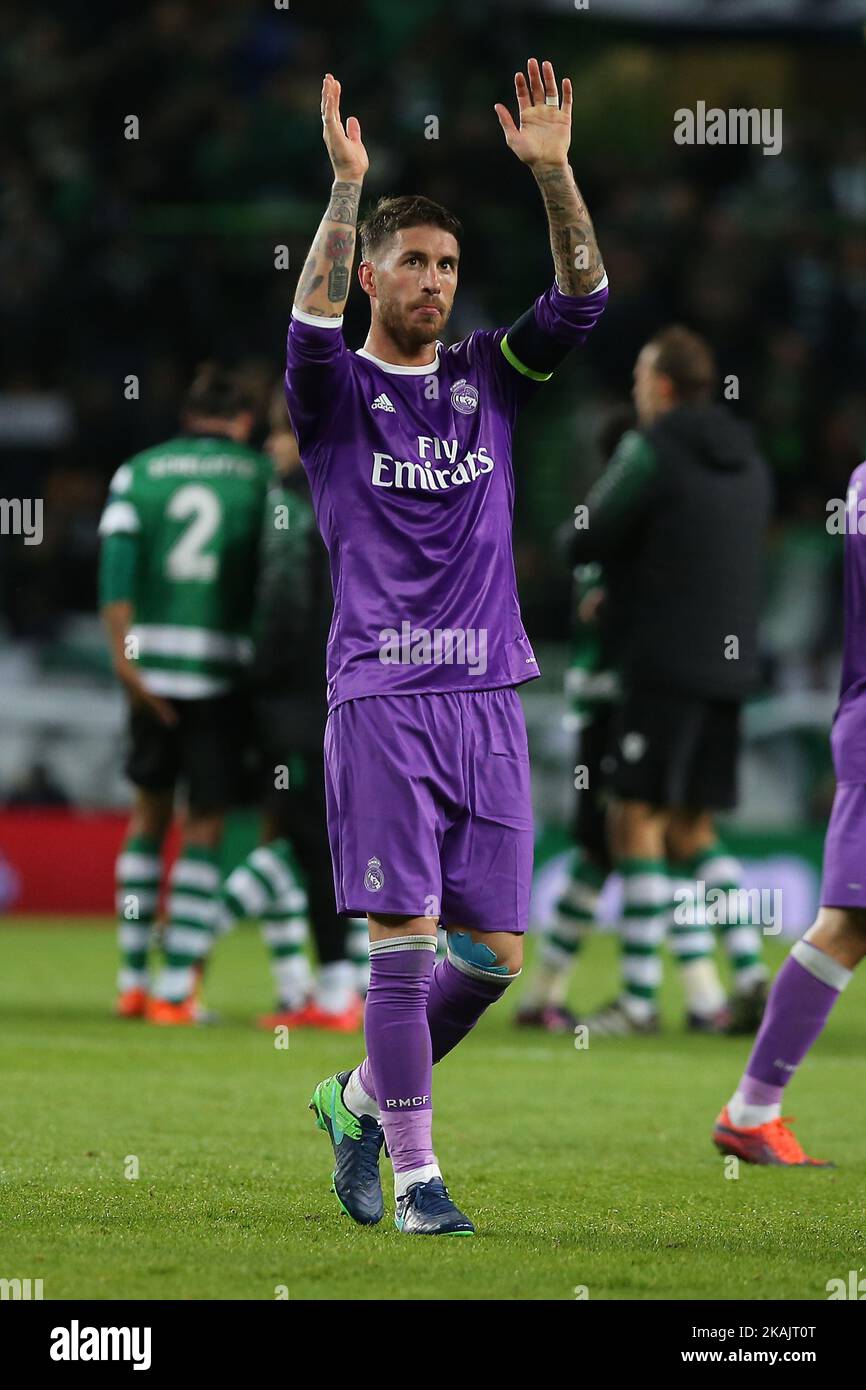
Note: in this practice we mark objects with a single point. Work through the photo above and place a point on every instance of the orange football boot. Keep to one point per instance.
(131, 1003)
(771, 1143)
(167, 1014)
(283, 1018)
(351, 1020)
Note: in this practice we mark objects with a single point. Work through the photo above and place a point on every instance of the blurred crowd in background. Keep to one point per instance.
(140, 257)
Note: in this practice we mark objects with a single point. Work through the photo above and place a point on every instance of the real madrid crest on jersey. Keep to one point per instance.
(464, 397)
(374, 878)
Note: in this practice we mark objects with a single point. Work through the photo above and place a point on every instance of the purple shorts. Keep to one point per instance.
(844, 881)
(430, 807)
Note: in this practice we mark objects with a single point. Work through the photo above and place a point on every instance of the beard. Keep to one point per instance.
(407, 333)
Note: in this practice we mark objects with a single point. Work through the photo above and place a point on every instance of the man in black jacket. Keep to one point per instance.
(678, 520)
(592, 689)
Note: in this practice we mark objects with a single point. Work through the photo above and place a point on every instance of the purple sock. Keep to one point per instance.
(399, 1056)
(454, 1006)
(797, 1010)
(755, 1092)
(456, 1003)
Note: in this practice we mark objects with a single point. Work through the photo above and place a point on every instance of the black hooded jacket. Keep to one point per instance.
(293, 601)
(678, 520)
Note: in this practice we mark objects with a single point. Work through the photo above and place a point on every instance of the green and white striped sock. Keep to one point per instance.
(646, 906)
(265, 886)
(741, 940)
(258, 883)
(563, 936)
(192, 921)
(137, 876)
(693, 945)
(285, 932)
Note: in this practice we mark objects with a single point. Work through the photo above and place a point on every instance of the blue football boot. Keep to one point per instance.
(427, 1210)
(357, 1142)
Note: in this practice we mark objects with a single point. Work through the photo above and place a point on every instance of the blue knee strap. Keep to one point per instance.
(474, 953)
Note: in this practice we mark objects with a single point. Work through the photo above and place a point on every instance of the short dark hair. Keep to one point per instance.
(407, 210)
(218, 394)
(687, 359)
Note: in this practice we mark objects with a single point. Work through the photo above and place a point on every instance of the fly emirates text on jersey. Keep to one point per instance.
(434, 469)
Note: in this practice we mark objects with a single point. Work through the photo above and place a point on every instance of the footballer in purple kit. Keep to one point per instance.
(821, 963)
(407, 445)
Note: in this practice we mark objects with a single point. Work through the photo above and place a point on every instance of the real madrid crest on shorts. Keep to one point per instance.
(374, 878)
(464, 397)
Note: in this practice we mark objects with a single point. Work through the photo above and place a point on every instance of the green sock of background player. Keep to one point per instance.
(264, 887)
(137, 877)
(192, 921)
(562, 936)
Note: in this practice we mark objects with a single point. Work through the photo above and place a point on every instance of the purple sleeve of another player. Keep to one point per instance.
(317, 374)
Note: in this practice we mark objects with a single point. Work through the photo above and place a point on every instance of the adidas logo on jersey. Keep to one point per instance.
(382, 403)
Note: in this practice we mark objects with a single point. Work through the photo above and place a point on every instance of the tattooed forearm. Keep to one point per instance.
(338, 285)
(324, 283)
(576, 256)
(343, 206)
(338, 247)
(308, 283)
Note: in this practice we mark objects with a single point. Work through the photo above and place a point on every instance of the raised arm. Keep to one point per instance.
(541, 141)
(323, 286)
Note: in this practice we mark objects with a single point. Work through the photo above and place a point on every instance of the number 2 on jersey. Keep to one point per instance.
(186, 559)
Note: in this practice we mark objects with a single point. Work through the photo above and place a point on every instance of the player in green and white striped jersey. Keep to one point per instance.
(180, 537)
(591, 689)
(288, 878)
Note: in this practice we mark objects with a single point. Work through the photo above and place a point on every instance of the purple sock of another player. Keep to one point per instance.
(804, 992)
(399, 1055)
(456, 1003)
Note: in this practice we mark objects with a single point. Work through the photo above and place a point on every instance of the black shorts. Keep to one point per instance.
(290, 736)
(589, 823)
(290, 731)
(677, 751)
(204, 751)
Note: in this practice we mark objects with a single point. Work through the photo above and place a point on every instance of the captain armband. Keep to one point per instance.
(531, 351)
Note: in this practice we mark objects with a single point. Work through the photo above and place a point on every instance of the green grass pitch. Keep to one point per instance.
(582, 1169)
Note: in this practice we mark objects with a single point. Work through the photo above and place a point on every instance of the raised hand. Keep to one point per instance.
(323, 286)
(541, 141)
(347, 154)
(544, 133)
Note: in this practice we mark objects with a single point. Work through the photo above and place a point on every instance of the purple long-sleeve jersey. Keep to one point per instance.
(412, 482)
